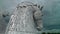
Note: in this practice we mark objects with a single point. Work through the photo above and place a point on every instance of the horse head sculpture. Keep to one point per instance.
(26, 18)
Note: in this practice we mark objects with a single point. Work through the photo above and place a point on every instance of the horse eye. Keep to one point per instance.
(24, 6)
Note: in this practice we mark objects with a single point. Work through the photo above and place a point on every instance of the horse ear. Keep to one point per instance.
(41, 8)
